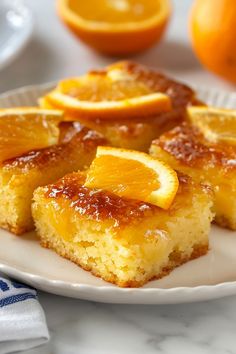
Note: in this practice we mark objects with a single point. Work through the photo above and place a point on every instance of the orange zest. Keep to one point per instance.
(133, 175)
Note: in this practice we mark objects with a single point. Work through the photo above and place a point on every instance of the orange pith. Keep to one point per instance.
(133, 175)
(25, 129)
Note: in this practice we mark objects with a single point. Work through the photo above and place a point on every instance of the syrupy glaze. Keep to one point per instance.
(68, 130)
(102, 205)
(97, 204)
(188, 145)
(135, 133)
(82, 140)
(180, 94)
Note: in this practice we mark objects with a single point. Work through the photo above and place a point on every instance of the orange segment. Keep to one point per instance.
(133, 175)
(25, 129)
(109, 94)
(217, 125)
(116, 26)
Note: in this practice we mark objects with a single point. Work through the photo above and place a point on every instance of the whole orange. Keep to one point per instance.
(213, 31)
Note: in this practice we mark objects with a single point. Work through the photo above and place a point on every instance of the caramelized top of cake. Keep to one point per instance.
(68, 130)
(102, 205)
(189, 146)
(74, 138)
(180, 94)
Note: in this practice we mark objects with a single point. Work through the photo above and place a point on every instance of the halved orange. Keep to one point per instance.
(116, 26)
(108, 94)
(216, 124)
(133, 175)
(25, 129)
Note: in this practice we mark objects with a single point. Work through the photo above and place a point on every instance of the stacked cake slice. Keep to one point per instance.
(120, 237)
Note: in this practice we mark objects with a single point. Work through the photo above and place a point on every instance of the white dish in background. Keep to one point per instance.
(16, 28)
(208, 277)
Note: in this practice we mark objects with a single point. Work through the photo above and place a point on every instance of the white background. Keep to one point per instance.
(79, 327)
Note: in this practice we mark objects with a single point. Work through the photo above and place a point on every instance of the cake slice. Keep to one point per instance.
(124, 241)
(20, 176)
(121, 81)
(186, 149)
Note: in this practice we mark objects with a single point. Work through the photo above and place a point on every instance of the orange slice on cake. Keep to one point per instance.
(110, 94)
(133, 175)
(25, 129)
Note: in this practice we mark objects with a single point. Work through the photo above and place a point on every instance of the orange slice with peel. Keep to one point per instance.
(44, 103)
(109, 94)
(217, 125)
(116, 26)
(133, 175)
(25, 129)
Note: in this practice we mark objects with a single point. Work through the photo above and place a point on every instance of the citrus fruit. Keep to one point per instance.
(212, 26)
(45, 104)
(217, 125)
(116, 26)
(25, 129)
(108, 94)
(133, 175)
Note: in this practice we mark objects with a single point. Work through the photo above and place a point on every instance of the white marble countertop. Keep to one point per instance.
(80, 327)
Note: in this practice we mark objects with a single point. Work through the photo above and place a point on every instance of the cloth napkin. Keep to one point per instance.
(22, 321)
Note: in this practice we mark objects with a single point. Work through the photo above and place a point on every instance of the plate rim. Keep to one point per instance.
(30, 276)
(156, 294)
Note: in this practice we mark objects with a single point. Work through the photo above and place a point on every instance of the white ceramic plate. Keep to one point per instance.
(211, 276)
(16, 27)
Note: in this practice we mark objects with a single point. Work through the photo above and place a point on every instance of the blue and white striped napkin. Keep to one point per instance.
(22, 321)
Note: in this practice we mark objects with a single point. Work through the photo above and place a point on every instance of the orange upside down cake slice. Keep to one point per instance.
(128, 103)
(128, 219)
(205, 149)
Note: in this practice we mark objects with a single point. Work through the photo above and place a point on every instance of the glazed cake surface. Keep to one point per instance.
(126, 242)
(21, 175)
(186, 150)
(138, 133)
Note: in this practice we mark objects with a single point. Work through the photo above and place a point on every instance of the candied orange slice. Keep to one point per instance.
(109, 94)
(26, 129)
(133, 175)
(217, 125)
(116, 26)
